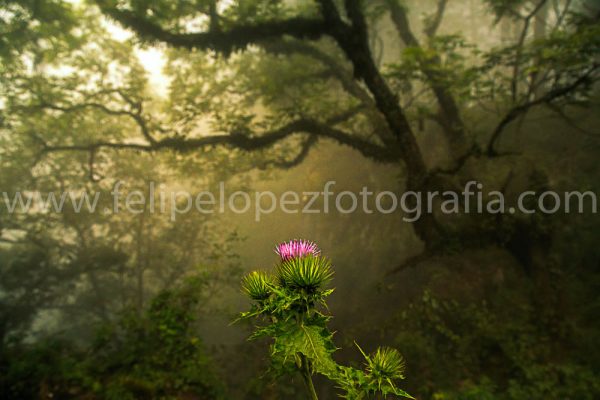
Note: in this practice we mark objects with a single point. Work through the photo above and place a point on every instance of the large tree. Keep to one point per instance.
(261, 84)
(267, 75)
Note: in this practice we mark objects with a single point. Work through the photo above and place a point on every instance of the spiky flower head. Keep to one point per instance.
(309, 272)
(257, 285)
(296, 249)
(386, 364)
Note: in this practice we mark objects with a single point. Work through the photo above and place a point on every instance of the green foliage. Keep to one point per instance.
(292, 311)
(292, 340)
(506, 8)
(445, 63)
(504, 74)
(167, 354)
(25, 27)
(26, 372)
(506, 349)
(153, 355)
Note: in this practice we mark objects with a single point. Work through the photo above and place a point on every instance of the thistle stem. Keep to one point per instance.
(306, 375)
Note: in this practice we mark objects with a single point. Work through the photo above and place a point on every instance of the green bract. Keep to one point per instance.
(309, 273)
(386, 363)
(257, 285)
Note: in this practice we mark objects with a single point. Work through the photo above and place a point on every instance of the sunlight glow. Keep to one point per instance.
(152, 58)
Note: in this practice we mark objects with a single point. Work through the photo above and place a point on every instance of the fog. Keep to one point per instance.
(438, 158)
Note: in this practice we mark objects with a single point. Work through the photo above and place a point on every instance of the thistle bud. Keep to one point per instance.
(257, 285)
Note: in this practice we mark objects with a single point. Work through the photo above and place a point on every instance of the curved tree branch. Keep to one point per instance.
(353, 39)
(572, 123)
(434, 23)
(412, 261)
(244, 142)
(219, 40)
(299, 158)
(548, 98)
(136, 116)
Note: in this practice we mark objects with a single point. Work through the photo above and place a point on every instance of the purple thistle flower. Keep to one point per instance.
(296, 248)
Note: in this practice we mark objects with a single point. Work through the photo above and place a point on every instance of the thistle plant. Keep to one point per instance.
(290, 307)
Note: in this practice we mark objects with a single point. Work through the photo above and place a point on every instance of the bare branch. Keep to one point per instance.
(572, 123)
(214, 17)
(451, 119)
(244, 142)
(548, 98)
(136, 116)
(474, 151)
(436, 20)
(514, 85)
(400, 20)
(561, 15)
(298, 159)
(412, 261)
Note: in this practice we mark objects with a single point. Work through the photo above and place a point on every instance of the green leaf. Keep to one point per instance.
(314, 342)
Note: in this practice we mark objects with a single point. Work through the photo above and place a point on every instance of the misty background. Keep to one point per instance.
(136, 306)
